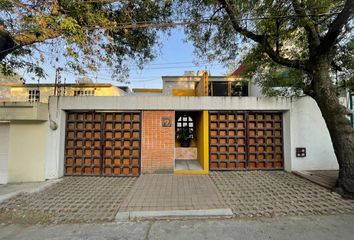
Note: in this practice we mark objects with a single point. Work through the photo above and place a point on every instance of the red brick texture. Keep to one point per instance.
(158, 143)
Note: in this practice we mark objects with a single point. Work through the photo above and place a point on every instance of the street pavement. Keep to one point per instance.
(282, 228)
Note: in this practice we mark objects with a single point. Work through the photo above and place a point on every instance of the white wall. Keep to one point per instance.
(308, 129)
(4, 151)
(255, 90)
(27, 151)
(303, 123)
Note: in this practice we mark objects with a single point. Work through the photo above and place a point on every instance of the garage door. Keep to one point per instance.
(245, 140)
(103, 144)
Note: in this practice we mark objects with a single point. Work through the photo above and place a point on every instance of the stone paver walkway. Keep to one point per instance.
(276, 193)
(74, 199)
(161, 192)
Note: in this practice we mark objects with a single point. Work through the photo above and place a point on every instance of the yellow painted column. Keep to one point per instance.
(205, 122)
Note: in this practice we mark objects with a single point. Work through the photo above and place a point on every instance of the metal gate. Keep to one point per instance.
(103, 143)
(242, 140)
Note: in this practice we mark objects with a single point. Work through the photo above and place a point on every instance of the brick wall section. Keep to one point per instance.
(158, 143)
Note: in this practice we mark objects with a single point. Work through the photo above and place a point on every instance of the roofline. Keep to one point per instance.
(153, 90)
(197, 78)
(59, 85)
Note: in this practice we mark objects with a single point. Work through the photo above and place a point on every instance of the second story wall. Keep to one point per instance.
(41, 93)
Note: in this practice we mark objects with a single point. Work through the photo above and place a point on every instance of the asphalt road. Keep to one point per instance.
(313, 227)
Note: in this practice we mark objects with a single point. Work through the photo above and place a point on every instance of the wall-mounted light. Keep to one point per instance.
(53, 125)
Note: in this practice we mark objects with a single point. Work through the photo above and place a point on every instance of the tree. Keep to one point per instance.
(85, 33)
(303, 35)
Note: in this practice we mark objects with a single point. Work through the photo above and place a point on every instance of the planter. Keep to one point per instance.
(185, 143)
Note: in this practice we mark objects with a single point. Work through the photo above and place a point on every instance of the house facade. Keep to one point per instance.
(24, 125)
(228, 129)
(41, 92)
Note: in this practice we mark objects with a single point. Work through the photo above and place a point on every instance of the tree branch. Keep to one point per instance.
(335, 28)
(262, 40)
(22, 5)
(308, 24)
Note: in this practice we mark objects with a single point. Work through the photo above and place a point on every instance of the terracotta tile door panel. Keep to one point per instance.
(121, 147)
(241, 140)
(102, 143)
(227, 140)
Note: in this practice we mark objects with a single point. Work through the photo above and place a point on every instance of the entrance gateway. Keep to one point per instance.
(245, 140)
(109, 143)
(103, 143)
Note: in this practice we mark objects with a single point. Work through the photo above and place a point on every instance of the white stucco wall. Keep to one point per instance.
(4, 151)
(308, 129)
(27, 147)
(303, 123)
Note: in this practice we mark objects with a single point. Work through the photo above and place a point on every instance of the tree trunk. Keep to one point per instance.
(7, 44)
(339, 127)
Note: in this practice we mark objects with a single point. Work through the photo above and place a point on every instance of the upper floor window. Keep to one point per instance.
(34, 95)
(225, 88)
(84, 93)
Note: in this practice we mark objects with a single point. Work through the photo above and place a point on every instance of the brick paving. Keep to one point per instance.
(248, 194)
(159, 192)
(75, 199)
(276, 193)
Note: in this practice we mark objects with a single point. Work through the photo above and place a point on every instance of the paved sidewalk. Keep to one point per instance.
(74, 199)
(276, 193)
(10, 190)
(161, 192)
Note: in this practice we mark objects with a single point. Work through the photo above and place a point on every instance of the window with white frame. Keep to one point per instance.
(185, 123)
(34, 95)
(84, 93)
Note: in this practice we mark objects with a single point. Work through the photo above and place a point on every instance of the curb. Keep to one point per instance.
(222, 212)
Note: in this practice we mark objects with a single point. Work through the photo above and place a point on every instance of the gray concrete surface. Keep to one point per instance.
(221, 212)
(285, 228)
(12, 189)
(275, 194)
(324, 178)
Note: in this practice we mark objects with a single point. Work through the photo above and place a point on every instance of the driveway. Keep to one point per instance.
(74, 199)
(276, 193)
(248, 194)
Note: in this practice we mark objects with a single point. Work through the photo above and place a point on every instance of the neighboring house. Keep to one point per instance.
(4, 88)
(42, 92)
(24, 124)
(226, 128)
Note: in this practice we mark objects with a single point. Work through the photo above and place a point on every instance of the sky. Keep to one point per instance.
(176, 57)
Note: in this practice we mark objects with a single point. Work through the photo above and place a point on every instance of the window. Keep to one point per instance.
(185, 123)
(33, 95)
(225, 88)
(84, 93)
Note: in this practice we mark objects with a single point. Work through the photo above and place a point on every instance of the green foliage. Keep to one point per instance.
(277, 21)
(83, 34)
(184, 134)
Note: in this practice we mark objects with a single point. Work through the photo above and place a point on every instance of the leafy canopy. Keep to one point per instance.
(275, 38)
(83, 35)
